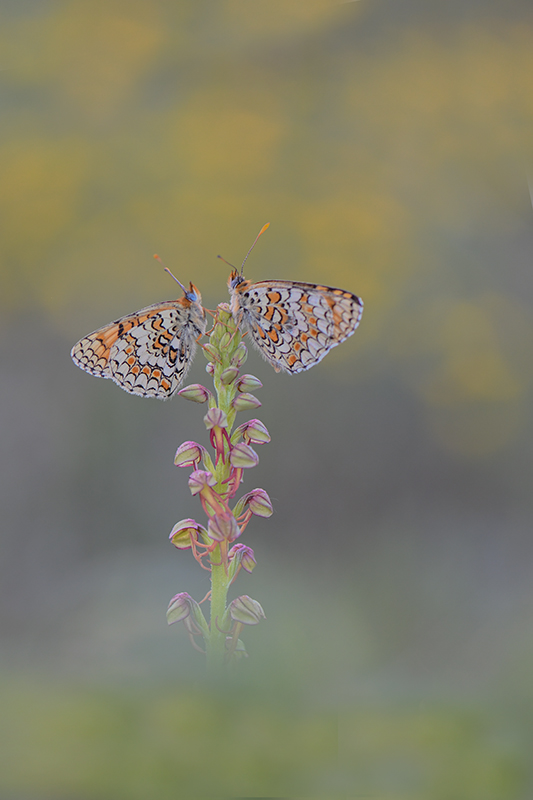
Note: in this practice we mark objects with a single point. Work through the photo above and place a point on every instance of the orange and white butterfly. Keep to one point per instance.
(293, 324)
(150, 351)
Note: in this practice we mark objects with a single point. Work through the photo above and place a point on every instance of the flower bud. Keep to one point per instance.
(210, 352)
(210, 368)
(239, 356)
(229, 375)
(248, 383)
(199, 479)
(189, 454)
(223, 527)
(257, 501)
(224, 341)
(243, 456)
(244, 609)
(252, 431)
(245, 401)
(185, 530)
(196, 393)
(244, 555)
(179, 607)
(215, 418)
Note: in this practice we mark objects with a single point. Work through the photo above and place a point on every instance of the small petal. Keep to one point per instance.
(189, 454)
(243, 456)
(223, 527)
(229, 375)
(199, 479)
(248, 383)
(240, 355)
(245, 402)
(195, 392)
(244, 609)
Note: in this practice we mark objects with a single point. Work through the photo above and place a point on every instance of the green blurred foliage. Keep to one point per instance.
(97, 744)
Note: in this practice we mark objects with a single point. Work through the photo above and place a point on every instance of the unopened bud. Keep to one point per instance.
(239, 356)
(245, 402)
(196, 393)
(229, 375)
(248, 383)
(252, 431)
(210, 368)
(179, 607)
(244, 555)
(185, 530)
(215, 418)
(199, 479)
(189, 454)
(210, 352)
(223, 527)
(244, 609)
(257, 501)
(243, 456)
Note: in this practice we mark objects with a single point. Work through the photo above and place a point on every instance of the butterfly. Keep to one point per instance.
(150, 351)
(293, 324)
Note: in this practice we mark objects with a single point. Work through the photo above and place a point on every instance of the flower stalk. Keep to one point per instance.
(216, 480)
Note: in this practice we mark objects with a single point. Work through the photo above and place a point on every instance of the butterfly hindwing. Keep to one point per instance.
(293, 324)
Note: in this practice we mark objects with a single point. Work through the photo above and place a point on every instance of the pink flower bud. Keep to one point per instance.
(243, 456)
(223, 527)
(179, 607)
(252, 431)
(243, 554)
(196, 393)
(244, 609)
(189, 454)
(215, 417)
(200, 479)
(257, 501)
(210, 368)
(248, 383)
(185, 530)
(245, 402)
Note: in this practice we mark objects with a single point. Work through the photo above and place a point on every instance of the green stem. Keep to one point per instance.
(216, 645)
(220, 581)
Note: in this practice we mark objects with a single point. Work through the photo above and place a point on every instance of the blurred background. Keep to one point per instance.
(388, 143)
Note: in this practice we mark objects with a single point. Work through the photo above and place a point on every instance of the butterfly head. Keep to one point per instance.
(192, 294)
(235, 279)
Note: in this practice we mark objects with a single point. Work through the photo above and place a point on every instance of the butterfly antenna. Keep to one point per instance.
(263, 229)
(170, 273)
(226, 262)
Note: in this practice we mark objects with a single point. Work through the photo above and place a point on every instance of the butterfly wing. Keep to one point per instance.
(293, 324)
(147, 353)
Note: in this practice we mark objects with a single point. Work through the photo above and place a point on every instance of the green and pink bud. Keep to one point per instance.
(189, 454)
(196, 393)
(186, 530)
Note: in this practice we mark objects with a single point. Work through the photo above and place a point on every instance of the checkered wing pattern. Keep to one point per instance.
(147, 353)
(293, 324)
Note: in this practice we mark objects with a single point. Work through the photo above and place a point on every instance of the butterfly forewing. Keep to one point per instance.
(147, 353)
(293, 324)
